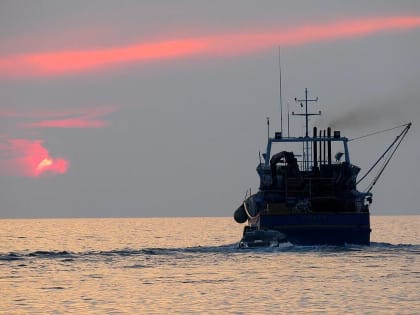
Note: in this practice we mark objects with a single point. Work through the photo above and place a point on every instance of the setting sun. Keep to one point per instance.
(29, 158)
(44, 163)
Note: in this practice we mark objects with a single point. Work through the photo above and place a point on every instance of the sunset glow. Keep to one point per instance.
(69, 62)
(70, 123)
(44, 163)
(29, 158)
(89, 117)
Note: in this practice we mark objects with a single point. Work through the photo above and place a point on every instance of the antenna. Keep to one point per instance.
(268, 127)
(281, 99)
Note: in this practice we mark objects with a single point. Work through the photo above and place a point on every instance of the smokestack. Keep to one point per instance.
(329, 145)
(324, 148)
(320, 148)
(315, 146)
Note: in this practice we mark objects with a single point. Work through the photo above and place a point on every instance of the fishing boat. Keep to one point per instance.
(307, 197)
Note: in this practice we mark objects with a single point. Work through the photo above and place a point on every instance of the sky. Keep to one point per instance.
(158, 108)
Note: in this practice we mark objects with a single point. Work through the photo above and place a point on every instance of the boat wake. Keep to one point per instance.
(226, 250)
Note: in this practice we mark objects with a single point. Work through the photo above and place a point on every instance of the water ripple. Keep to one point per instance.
(68, 256)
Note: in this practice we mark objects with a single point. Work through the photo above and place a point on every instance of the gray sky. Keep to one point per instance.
(157, 108)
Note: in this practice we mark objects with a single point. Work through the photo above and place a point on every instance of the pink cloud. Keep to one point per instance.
(29, 158)
(69, 123)
(78, 61)
(90, 117)
(86, 118)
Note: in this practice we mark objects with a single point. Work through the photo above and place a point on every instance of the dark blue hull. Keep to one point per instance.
(320, 229)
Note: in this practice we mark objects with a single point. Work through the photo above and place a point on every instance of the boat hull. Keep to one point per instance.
(320, 228)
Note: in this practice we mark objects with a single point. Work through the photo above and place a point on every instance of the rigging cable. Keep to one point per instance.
(375, 180)
(377, 132)
(399, 137)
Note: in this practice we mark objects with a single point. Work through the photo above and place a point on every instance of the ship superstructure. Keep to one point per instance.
(307, 196)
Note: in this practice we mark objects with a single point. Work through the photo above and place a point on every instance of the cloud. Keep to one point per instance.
(65, 62)
(89, 117)
(79, 61)
(82, 118)
(69, 123)
(29, 158)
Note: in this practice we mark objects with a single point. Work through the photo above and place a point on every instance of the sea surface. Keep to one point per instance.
(193, 266)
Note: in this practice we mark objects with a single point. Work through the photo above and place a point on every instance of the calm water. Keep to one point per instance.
(192, 265)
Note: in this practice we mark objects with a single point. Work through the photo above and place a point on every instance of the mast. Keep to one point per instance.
(306, 114)
(306, 100)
